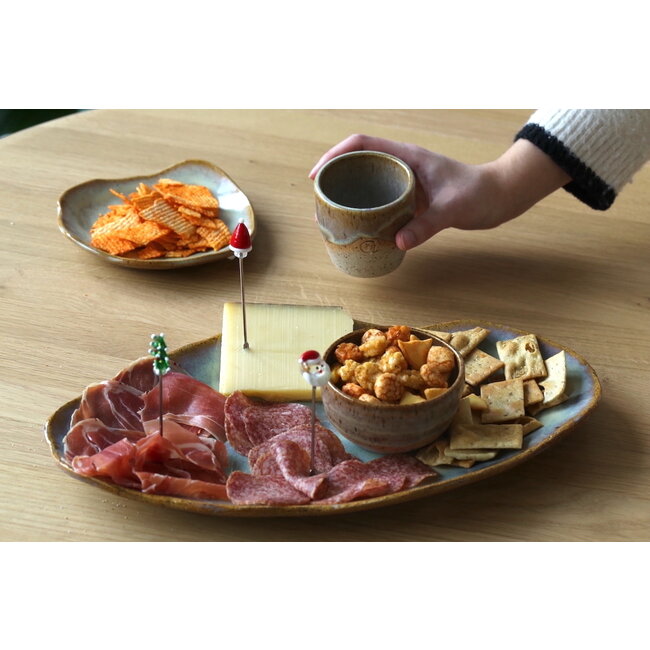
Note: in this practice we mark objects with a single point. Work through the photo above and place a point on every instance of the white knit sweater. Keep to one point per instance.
(601, 149)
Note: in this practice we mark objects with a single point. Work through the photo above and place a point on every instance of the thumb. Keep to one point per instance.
(418, 230)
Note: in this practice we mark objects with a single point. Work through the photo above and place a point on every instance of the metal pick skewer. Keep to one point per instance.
(243, 300)
(317, 373)
(240, 245)
(312, 471)
(158, 350)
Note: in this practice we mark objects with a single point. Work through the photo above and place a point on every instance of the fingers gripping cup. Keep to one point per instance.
(362, 199)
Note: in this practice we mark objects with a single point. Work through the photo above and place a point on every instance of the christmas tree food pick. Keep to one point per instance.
(316, 373)
(240, 245)
(158, 350)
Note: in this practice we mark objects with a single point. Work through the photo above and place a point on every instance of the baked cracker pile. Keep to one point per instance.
(501, 397)
(167, 219)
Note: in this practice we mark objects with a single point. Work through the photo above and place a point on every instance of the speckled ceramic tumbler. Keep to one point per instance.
(362, 199)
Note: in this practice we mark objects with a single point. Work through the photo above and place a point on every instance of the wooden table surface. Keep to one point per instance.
(562, 271)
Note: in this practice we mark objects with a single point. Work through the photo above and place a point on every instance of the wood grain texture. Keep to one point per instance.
(563, 271)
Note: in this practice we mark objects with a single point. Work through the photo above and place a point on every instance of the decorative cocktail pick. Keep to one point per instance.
(240, 245)
(316, 372)
(158, 350)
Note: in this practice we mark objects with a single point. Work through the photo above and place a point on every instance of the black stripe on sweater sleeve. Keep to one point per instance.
(586, 184)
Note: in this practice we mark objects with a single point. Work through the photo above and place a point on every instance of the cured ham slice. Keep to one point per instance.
(116, 405)
(246, 489)
(182, 454)
(90, 436)
(153, 483)
(115, 462)
(187, 401)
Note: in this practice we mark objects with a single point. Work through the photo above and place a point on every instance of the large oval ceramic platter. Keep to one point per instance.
(79, 207)
(202, 361)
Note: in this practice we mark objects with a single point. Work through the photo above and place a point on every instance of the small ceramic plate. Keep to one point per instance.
(202, 360)
(79, 207)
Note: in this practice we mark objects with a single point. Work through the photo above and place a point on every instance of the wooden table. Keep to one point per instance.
(68, 319)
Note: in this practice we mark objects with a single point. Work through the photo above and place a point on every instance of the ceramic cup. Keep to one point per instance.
(362, 199)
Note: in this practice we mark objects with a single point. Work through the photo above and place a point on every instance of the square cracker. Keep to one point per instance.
(445, 336)
(505, 400)
(532, 393)
(466, 340)
(471, 454)
(487, 436)
(479, 366)
(522, 357)
(435, 454)
(554, 386)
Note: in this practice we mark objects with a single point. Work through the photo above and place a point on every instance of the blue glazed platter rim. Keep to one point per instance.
(201, 360)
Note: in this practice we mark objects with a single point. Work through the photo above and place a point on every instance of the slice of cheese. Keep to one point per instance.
(277, 336)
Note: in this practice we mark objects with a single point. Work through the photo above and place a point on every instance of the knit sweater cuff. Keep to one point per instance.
(600, 149)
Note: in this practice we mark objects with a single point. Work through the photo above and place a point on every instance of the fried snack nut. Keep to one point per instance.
(392, 367)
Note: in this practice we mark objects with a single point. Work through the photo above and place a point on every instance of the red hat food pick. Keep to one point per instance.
(240, 240)
(240, 245)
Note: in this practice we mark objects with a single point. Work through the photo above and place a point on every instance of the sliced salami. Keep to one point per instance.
(246, 489)
(263, 422)
(401, 471)
(328, 449)
(234, 408)
(351, 480)
(289, 460)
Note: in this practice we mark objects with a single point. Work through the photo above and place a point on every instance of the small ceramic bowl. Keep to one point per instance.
(79, 207)
(392, 428)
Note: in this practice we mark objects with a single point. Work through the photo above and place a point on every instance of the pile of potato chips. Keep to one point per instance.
(497, 410)
(167, 219)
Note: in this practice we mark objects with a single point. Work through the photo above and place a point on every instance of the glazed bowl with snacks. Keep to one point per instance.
(392, 389)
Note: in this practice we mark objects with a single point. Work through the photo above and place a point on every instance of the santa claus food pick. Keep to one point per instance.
(316, 373)
(240, 245)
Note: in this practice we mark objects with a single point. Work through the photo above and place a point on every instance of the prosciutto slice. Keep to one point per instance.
(140, 375)
(187, 401)
(115, 462)
(152, 483)
(90, 436)
(116, 405)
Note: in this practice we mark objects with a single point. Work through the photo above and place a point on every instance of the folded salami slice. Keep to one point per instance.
(289, 460)
(352, 479)
(235, 426)
(246, 489)
(329, 450)
(251, 422)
